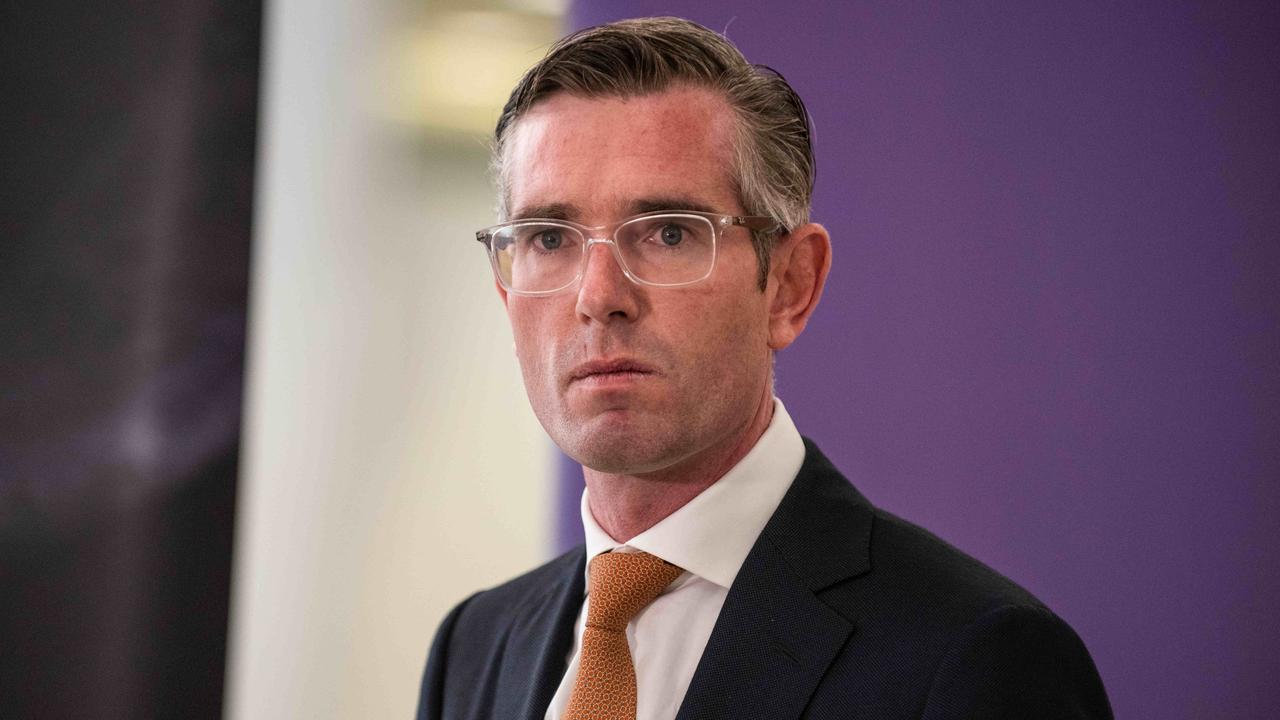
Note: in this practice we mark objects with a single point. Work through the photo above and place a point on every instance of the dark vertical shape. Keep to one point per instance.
(128, 133)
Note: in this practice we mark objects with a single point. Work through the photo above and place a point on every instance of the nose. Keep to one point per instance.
(605, 294)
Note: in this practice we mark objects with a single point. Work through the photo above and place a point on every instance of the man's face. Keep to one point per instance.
(629, 379)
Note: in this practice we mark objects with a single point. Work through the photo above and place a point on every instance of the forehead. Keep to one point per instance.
(599, 158)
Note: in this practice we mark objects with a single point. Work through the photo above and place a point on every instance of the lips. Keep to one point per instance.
(609, 369)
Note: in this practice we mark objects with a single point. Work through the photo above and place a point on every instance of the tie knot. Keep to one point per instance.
(622, 584)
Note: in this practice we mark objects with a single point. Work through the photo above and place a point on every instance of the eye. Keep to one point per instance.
(671, 235)
(549, 239)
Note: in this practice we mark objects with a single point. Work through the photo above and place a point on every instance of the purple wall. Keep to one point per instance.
(1051, 331)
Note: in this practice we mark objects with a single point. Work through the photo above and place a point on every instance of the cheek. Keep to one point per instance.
(534, 341)
(724, 342)
(745, 308)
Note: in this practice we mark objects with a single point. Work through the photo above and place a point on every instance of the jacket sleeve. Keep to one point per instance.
(431, 698)
(1017, 661)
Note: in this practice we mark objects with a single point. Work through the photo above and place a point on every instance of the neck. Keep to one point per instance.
(626, 505)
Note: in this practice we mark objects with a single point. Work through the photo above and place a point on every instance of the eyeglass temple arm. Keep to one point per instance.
(757, 222)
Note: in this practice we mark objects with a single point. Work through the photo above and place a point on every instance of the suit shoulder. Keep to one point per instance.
(930, 571)
(467, 665)
(944, 632)
(830, 531)
(1018, 661)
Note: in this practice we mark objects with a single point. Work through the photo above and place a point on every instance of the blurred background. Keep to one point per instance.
(260, 420)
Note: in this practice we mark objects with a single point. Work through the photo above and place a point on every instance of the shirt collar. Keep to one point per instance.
(711, 535)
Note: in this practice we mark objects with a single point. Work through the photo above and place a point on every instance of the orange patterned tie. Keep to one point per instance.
(621, 585)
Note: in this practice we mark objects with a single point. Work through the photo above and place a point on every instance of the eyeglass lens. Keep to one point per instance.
(658, 249)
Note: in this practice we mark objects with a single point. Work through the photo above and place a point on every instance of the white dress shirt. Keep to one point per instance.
(709, 537)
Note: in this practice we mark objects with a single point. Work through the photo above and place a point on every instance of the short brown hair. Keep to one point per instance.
(773, 154)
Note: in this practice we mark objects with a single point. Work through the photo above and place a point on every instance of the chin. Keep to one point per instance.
(618, 450)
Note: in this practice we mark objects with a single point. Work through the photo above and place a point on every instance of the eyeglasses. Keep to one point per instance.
(663, 249)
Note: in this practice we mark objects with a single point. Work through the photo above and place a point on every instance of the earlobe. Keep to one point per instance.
(799, 272)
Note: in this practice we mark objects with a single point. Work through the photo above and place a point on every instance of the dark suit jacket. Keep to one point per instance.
(841, 610)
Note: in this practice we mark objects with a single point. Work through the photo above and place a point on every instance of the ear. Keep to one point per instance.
(797, 273)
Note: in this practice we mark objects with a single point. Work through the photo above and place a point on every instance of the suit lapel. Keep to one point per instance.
(538, 646)
(775, 637)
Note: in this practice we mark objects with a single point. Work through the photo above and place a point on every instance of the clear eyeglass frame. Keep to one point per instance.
(607, 234)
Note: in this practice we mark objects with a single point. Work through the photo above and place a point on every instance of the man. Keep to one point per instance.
(656, 251)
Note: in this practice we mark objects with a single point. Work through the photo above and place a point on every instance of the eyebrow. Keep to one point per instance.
(550, 211)
(675, 202)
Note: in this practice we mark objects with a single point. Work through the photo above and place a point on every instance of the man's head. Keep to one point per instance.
(772, 166)
(629, 378)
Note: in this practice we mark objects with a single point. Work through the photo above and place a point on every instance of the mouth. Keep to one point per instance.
(603, 371)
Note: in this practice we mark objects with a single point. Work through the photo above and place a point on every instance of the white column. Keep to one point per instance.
(391, 464)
